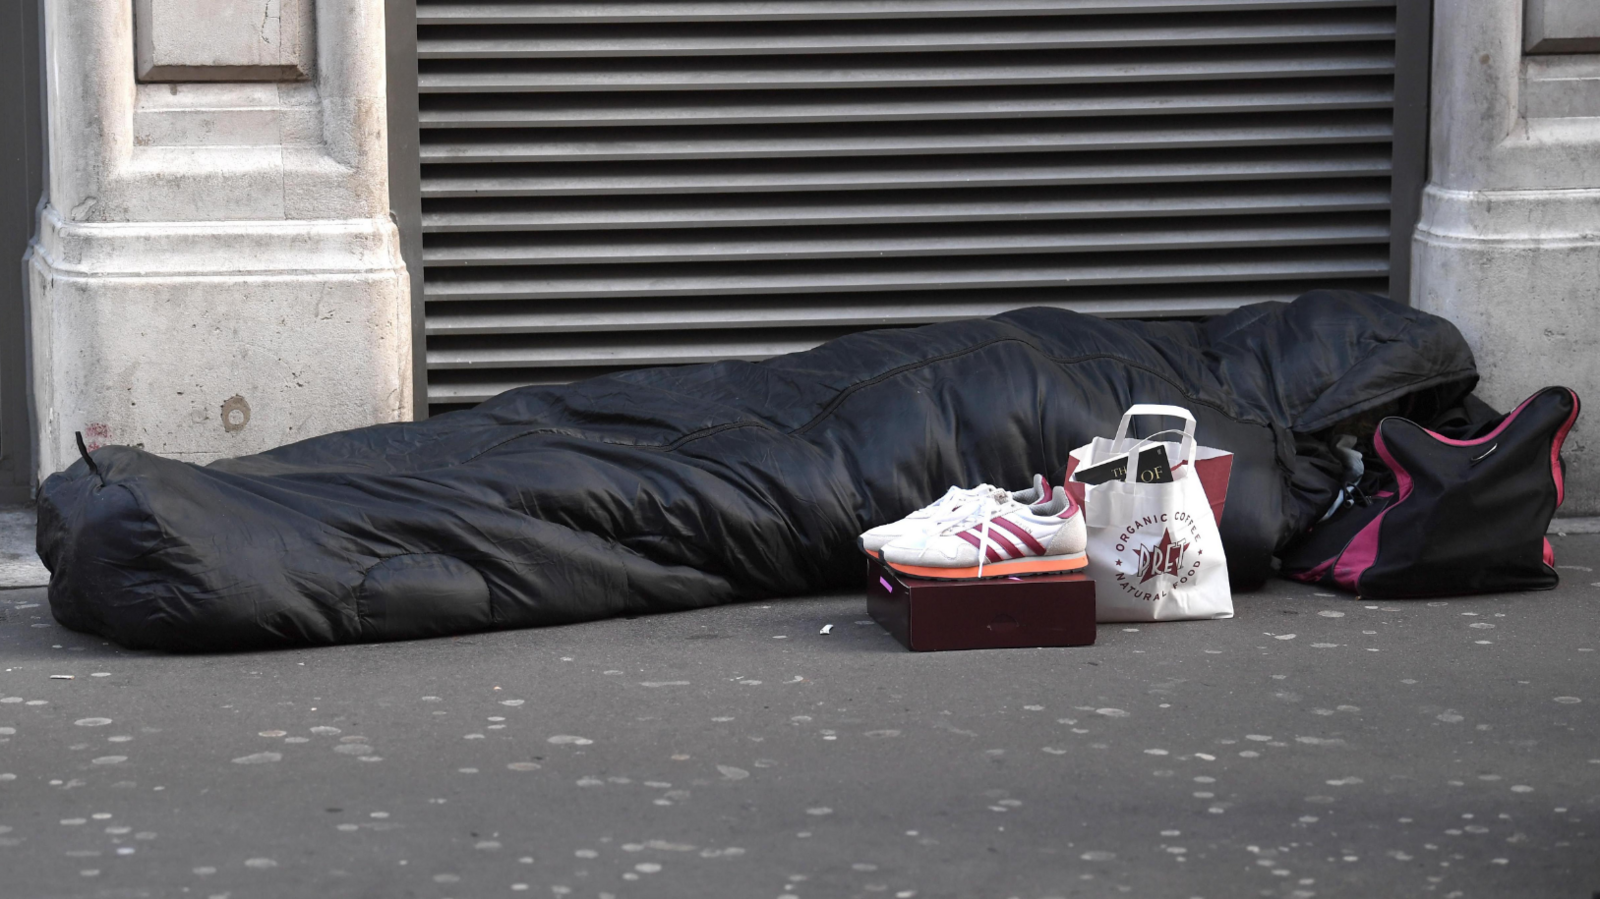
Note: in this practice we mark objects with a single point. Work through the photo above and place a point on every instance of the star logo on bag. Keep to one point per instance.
(1166, 557)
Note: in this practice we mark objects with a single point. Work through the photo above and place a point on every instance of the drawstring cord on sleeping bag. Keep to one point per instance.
(84, 452)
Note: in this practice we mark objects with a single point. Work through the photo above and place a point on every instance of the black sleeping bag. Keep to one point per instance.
(675, 488)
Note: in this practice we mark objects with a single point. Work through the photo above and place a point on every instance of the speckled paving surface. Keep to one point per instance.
(1316, 745)
(19, 565)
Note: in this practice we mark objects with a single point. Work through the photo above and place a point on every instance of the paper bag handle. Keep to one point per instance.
(1155, 409)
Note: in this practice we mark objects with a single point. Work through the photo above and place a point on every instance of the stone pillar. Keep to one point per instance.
(1508, 246)
(216, 272)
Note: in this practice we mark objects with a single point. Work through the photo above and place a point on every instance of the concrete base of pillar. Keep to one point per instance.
(206, 340)
(1519, 273)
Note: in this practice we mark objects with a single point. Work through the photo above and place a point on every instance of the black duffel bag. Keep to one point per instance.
(1445, 516)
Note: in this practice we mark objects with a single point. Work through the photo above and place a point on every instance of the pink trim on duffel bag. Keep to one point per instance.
(1312, 575)
(1363, 548)
(1555, 459)
(1504, 423)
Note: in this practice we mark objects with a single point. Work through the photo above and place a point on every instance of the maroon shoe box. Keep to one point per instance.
(994, 613)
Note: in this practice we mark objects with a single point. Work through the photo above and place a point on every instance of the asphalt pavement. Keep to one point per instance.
(1316, 745)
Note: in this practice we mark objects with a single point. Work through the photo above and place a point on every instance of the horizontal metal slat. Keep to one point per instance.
(1258, 198)
(852, 310)
(839, 276)
(520, 111)
(1079, 135)
(476, 383)
(479, 385)
(931, 70)
(765, 176)
(544, 12)
(968, 240)
(675, 348)
(1144, 33)
(855, 311)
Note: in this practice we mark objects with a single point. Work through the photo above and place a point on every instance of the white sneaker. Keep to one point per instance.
(955, 505)
(1016, 538)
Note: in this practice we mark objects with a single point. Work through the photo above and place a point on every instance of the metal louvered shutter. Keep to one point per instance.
(614, 184)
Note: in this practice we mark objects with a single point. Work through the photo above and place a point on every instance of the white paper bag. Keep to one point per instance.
(1154, 549)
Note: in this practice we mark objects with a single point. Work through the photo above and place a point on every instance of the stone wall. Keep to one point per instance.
(217, 272)
(1509, 242)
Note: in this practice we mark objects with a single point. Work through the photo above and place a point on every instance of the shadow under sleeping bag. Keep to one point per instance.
(676, 488)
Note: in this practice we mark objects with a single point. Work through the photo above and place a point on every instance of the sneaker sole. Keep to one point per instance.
(861, 544)
(1018, 567)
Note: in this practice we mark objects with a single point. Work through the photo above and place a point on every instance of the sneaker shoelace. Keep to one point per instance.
(952, 506)
(956, 497)
(990, 506)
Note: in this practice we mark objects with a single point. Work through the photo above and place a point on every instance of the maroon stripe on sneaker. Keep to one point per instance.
(976, 541)
(1024, 536)
(1005, 544)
